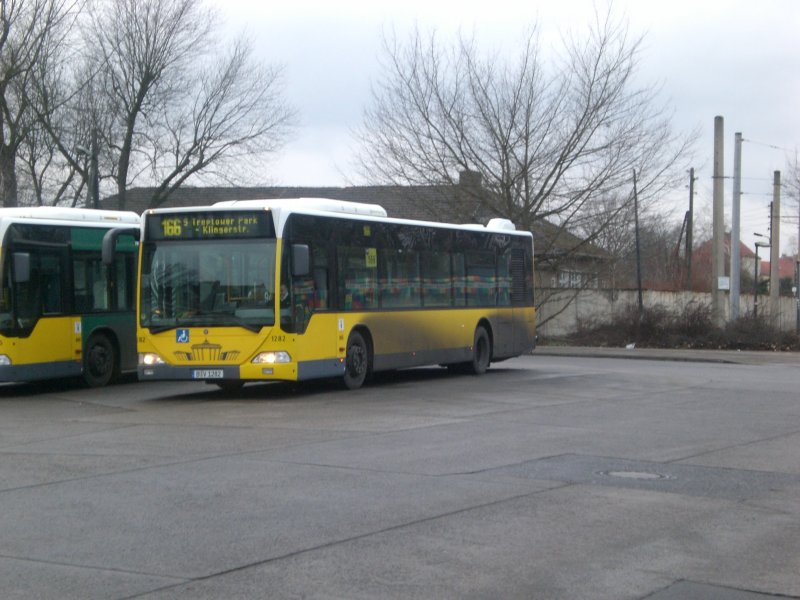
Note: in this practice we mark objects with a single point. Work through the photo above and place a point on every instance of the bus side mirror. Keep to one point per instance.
(109, 248)
(300, 260)
(22, 267)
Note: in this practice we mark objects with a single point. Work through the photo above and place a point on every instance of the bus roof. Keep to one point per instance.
(60, 213)
(284, 207)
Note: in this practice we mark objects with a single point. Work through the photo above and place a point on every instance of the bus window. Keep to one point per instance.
(42, 293)
(357, 278)
(504, 279)
(319, 273)
(436, 282)
(6, 321)
(459, 280)
(51, 284)
(91, 283)
(125, 268)
(400, 279)
(481, 285)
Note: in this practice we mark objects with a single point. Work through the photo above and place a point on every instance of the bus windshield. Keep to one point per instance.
(208, 282)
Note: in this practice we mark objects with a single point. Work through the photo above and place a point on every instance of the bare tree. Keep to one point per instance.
(546, 139)
(170, 104)
(54, 167)
(791, 185)
(32, 33)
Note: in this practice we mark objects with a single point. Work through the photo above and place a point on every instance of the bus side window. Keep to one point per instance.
(99, 278)
(124, 273)
(28, 300)
(52, 293)
(321, 284)
(100, 295)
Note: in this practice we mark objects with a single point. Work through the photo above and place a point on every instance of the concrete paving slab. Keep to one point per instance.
(16, 433)
(700, 591)
(195, 519)
(24, 580)
(670, 478)
(781, 453)
(569, 542)
(18, 470)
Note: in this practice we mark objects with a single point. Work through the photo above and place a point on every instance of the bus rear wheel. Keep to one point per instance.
(100, 361)
(481, 355)
(356, 364)
(481, 352)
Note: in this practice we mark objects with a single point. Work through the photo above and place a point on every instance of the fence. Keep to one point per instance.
(563, 309)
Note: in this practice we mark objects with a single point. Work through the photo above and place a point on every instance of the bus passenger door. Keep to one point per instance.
(42, 310)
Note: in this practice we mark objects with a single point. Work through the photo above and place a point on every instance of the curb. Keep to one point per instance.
(732, 357)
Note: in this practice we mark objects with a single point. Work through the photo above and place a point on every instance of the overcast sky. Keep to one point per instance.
(739, 59)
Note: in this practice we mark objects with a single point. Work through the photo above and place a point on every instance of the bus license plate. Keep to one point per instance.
(207, 374)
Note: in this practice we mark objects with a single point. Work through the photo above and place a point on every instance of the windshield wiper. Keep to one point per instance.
(238, 321)
(208, 318)
(162, 328)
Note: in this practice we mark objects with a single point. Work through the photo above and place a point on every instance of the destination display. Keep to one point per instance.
(209, 225)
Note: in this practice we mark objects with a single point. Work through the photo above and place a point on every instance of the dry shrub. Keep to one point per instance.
(690, 327)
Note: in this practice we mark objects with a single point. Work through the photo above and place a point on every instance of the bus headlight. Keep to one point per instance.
(148, 359)
(272, 358)
(4, 360)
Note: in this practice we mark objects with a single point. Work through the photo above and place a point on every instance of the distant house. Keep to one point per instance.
(562, 259)
(786, 274)
(701, 264)
(786, 268)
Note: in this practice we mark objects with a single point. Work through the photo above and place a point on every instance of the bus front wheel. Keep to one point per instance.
(356, 364)
(100, 361)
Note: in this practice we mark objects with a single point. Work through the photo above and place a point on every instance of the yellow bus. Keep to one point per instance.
(309, 288)
(62, 312)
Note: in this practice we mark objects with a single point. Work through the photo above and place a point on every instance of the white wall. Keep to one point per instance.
(563, 309)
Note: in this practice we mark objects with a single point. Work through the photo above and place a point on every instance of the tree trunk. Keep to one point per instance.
(8, 177)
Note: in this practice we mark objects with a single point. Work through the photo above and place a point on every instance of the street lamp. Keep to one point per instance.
(756, 274)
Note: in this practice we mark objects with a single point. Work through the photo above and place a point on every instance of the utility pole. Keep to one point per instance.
(689, 225)
(736, 266)
(797, 290)
(775, 249)
(718, 241)
(638, 253)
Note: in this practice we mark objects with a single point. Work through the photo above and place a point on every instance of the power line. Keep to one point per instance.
(766, 145)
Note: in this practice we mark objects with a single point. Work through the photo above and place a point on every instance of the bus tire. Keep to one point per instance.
(100, 361)
(356, 364)
(481, 352)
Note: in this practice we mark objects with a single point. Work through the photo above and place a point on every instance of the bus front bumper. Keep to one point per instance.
(196, 373)
(315, 369)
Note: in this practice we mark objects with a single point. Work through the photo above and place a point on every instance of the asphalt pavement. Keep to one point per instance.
(557, 477)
